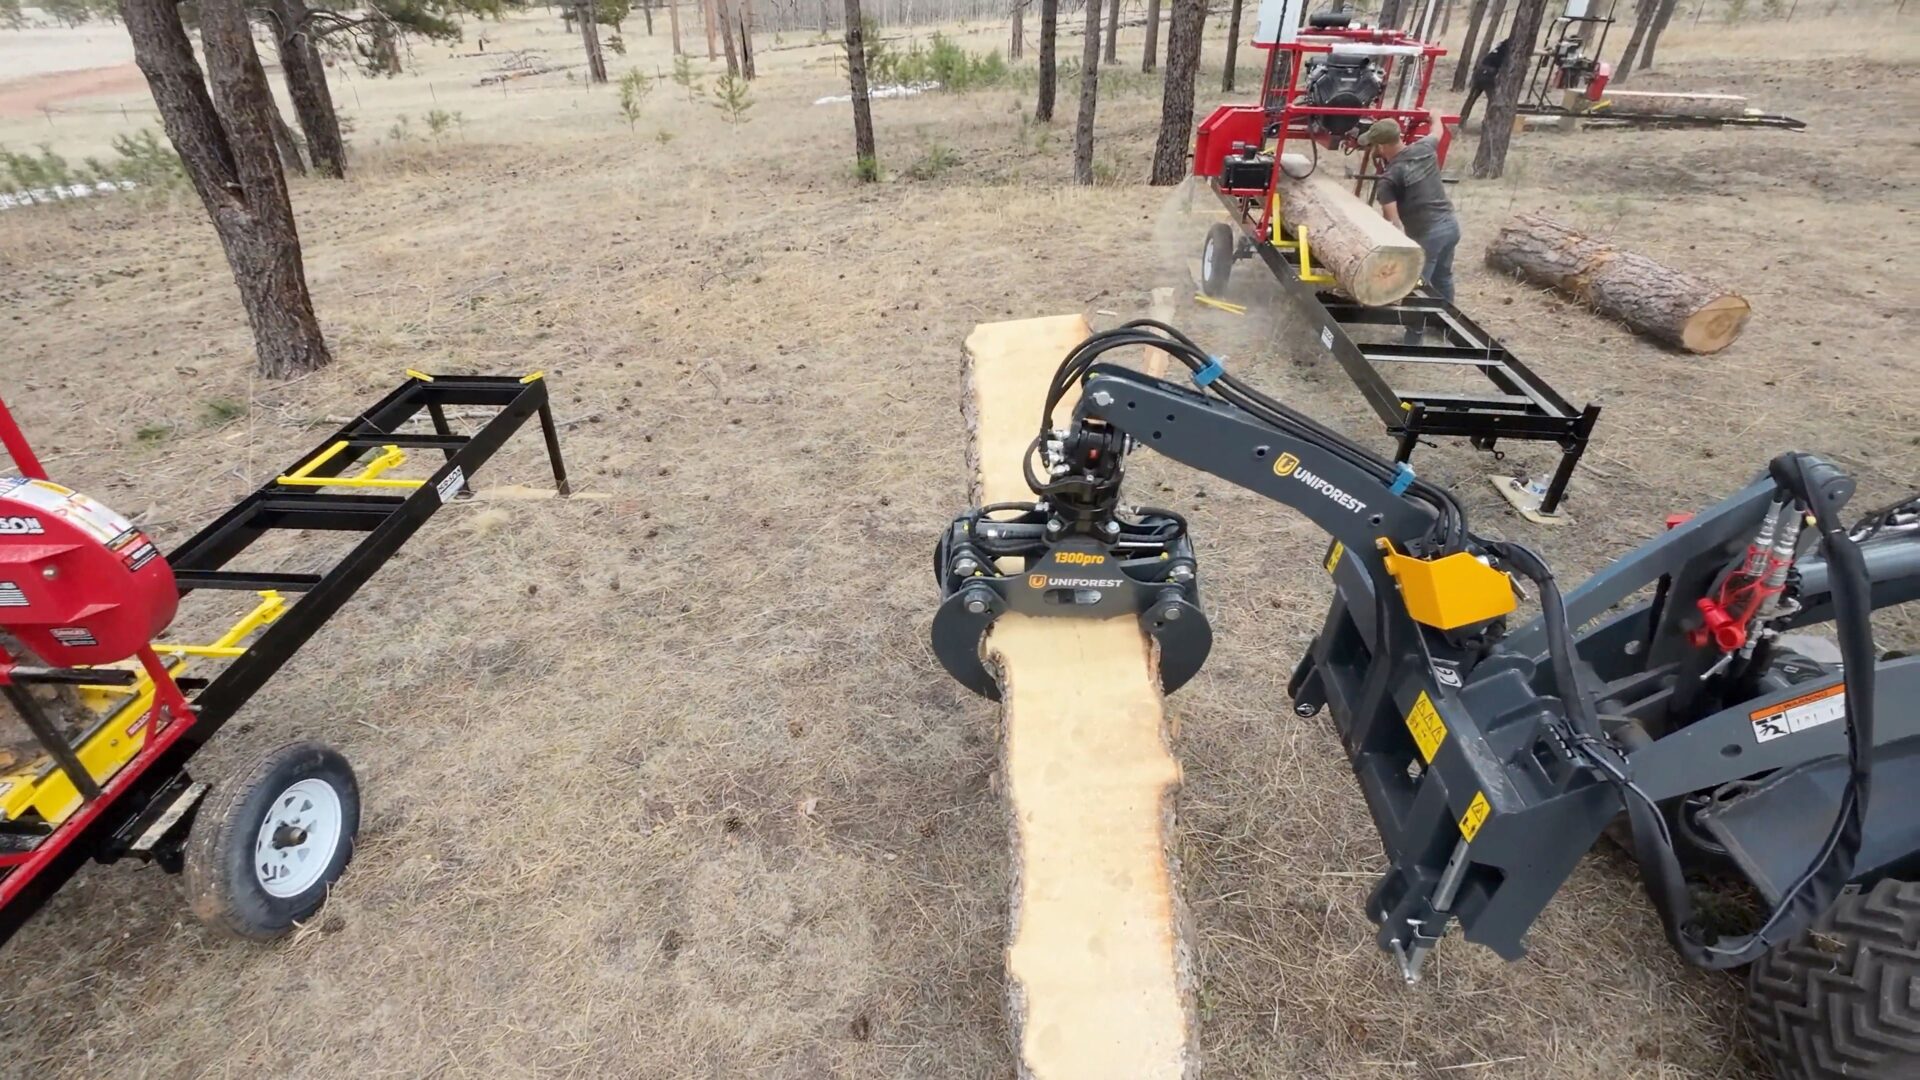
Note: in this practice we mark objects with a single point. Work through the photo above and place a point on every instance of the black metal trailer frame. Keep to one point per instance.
(1521, 405)
(145, 808)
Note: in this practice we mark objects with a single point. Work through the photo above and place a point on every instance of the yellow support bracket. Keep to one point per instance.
(421, 375)
(1277, 237)
(1451, 591)
(390, 456)
(39, 787)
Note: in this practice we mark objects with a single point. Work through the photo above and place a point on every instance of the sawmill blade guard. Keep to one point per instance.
(1142, 567)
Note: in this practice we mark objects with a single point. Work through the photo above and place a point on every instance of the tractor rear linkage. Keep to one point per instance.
(106, 796)
(1487, 775)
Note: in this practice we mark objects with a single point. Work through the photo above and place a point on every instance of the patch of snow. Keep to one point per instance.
(878, 92)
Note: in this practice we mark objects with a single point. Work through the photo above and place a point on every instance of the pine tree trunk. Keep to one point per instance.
(1150, 57)
(1113, 32)
(1659, 27)
(1643, 13)
(1233, 47)
(1089, 98)
(724, 9)
(584, 17)
(1049, 27)
(708, 20)
(673, 24)
(866, 159)
(1463, 69)
(1389, 14)
(1017, 43)
(1187, 24)
(225, 142)
(1490, 158)
(646, 9)
(1446, 17)
(1651, 297)
(306, 79)
(286, 145)
(386, 47)
(743, 19)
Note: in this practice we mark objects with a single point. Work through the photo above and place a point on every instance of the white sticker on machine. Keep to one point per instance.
(1798, 714)
(1326, 336)
(11, 595)
(450, 484)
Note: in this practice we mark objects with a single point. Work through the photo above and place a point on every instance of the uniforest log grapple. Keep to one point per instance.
(115, 716)
(1677, 691)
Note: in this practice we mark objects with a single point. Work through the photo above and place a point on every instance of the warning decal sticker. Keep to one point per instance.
(1798, 714)
(1429, 731)
(11, 596)
(1476, 815)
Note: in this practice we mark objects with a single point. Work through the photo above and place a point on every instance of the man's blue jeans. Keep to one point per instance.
(1437, 270)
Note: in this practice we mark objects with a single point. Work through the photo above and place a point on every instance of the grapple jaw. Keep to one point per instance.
(1144, 568)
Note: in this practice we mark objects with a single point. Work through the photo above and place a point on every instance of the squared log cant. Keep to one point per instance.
(1099, 977)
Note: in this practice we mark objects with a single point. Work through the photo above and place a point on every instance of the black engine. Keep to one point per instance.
(1343, 82)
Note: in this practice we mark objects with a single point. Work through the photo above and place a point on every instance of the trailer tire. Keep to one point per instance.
(1216, 259)
(1843, 998)
(267, 848)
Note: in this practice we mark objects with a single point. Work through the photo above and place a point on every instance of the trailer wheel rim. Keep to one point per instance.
(298, 838)
(1207, 257)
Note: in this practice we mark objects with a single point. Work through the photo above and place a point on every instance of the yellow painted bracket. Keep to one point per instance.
(1451, 591)
(46, 790)
(390, 456)
(1276, 230)
(1227, 306)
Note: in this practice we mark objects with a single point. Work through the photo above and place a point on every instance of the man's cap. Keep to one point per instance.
(1382, 133)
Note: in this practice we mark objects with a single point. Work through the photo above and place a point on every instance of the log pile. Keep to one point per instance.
(1099, 980)
(1654, 299)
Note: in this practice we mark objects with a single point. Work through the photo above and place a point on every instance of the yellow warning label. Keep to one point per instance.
(1333, 557)
(1429, 731)
(1476, 815)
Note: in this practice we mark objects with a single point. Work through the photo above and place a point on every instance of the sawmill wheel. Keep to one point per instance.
(268, 847)
(1843, 998)
(1216, 259)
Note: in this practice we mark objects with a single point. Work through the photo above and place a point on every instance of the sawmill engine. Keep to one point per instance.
(1342, 82)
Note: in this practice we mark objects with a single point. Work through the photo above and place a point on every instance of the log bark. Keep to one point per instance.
(1374, 262)
(218, 122)
(1100, 981)
(1652, 298)
(1647, 103)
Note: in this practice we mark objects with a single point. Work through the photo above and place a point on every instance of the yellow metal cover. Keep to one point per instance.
(1451, 591)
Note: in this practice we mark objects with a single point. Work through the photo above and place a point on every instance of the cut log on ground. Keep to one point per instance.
(1099, 978)
(1649, 103)
(1649, 296)
(1374, 262)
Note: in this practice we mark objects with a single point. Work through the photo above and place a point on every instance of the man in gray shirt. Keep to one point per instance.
(1411, 196)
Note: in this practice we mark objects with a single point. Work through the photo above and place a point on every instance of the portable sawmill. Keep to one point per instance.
(113, 713)
(1674, 691)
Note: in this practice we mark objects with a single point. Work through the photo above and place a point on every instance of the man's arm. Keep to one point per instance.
(1436, 123)
(1391, 211)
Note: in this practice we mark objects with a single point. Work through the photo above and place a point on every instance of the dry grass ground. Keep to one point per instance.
(669, 785)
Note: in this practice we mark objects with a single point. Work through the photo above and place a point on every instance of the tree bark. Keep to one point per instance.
(1113, 32)
(1150, 57)
(1176, 101)
(1490, 36)
(1652, 298)
(1643, 13)
(866, 159)
(1390, 14)
(673, 24)
(1490, 157)
(1659, 27)
(584, 16)
(1446, 17)
(1233, 47)
(1099, 977)
(646, 9)
(1463, 70)
(744, 13)
(1089, 98)
(306, 80)
(1017, 43)
(1049, 28)
(707, 20)
(225, 142)
(286, 145)
(1374, 262)
(724, 9)
(1653, 103)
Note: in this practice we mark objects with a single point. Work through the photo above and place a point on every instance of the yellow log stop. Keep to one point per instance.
(1451, 591)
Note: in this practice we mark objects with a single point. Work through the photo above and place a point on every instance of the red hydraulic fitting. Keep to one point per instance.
(1726, 633)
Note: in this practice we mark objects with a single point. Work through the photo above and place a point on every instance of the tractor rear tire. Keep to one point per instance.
(1216, 259)
(267, 848)
(1843, 998)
